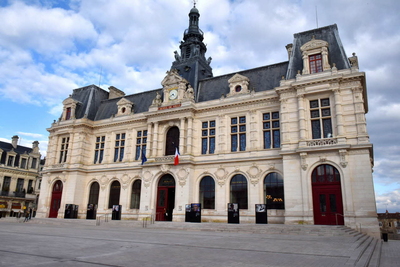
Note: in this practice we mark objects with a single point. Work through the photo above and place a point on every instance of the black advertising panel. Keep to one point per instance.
(71, 211)
(261, 213)
(188, 213)
(233, 213)
(196, 212)
(116, 212)
(91, 211)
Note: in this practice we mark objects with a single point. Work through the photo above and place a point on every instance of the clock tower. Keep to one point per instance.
(191, 63)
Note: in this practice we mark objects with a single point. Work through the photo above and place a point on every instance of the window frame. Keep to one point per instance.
(99, 149)
(238, 129)
(321, 119)
(119, 147)
(208, 136)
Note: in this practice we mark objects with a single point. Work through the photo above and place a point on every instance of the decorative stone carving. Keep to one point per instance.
(165, 168)
(354, 61)
(221, 175)
(157, 100)
(182, 175)
(238, 84)
(124, 107)
(147, 177)
(314, 47)
(343, 157)
(303, 158)
(254, 174)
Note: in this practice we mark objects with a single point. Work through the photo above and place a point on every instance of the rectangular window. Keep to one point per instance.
(20, 185)
(23, 163)
(271, 130)
(141, 144)
(64, 149)
(119, 147)
(6, 184)
(68, 114)
(238, 134)
(30, 187)
(99, 149)
(321, 121)
(208, 137)
(315, 63)
(34, 163)
(10, 161)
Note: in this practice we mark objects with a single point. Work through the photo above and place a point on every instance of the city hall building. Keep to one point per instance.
(291, 135)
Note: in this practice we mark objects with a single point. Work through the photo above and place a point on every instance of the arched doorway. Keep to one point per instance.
(93, 201)
(55, 199)
(172, 141)
(115, 191)
(327, 196)
(165, 198)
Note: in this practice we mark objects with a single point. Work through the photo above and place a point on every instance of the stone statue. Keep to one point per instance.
(209, 60)
(177, 56)
(157, 100)
(189, 93)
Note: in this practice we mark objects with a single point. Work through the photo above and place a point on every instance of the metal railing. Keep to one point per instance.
(336, 214)
(147, 220)
(99, 218)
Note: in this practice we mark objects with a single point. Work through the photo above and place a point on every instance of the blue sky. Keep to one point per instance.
(48, 48)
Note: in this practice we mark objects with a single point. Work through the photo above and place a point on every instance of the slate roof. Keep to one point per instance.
(95, 105)
(19, 149)
(329, 34)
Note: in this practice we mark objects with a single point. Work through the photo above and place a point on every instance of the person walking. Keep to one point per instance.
(26, 216)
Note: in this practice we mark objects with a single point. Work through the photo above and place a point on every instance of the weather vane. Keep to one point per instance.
(194, 3)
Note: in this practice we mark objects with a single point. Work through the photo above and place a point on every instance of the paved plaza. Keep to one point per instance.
(82, 243)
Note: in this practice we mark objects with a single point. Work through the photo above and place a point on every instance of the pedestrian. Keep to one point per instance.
(26, 216)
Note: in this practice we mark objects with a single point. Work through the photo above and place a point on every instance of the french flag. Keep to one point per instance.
(176, 159)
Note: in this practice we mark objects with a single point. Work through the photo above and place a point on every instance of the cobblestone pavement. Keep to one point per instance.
(29, 244)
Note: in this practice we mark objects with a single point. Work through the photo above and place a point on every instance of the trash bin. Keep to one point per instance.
(385, 237)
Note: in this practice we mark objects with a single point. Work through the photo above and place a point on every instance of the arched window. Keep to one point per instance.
(239, 191)
(172, 141)
(115, 191)
(135, 197)
(273, 191)
(325, 174)
(207, 193)
(94, 193)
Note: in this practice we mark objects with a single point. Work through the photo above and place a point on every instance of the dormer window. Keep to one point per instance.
(315, 63)
(315, 56)
(124, 107)
(70, 106)
(68, 113)
(238, 84)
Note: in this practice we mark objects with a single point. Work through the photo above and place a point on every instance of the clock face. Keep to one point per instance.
(173, 94)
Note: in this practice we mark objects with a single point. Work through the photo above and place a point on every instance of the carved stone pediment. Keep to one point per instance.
(172, 79)
(313, 44)
(124, 107)
(70, 102)
(238, 84)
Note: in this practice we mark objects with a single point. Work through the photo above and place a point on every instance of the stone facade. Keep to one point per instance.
(270, 135)
(19, 178)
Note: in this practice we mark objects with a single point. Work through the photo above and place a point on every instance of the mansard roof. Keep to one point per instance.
(19, 149)
(96, 105)
(261, 79)
(329, 34)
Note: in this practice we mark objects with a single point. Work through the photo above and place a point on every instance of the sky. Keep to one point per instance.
(50, 47)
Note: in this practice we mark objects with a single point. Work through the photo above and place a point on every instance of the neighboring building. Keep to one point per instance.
(389, 223)
(19, 173)
(291, 135)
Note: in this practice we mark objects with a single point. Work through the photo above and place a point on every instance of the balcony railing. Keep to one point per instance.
(322, 142)
(4, 193)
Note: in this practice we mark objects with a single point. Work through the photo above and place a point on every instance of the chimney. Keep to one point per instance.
(289, 49)
(35, 147)
(15, 141)
(115, 92)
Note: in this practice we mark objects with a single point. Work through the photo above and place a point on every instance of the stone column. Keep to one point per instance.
(155, 140)
(339, 115)
(302, 120)
(189, 136)
(182, 136)
(149, 140)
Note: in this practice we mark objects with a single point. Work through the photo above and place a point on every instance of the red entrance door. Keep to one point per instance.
(327, 196)
(328, 206)
(165, 198)
(55, 199)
